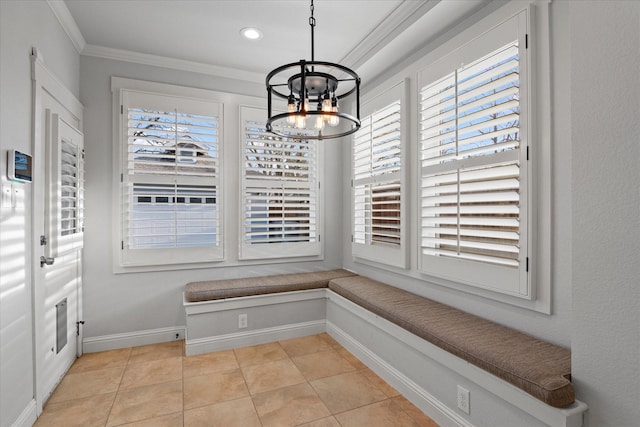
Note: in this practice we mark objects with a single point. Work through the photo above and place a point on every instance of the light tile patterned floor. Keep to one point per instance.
(310, 381)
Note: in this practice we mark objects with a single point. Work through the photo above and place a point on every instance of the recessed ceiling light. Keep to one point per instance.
(251, 33)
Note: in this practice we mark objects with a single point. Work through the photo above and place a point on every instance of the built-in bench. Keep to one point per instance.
(535, 366)
(233, 288)
(539, 368)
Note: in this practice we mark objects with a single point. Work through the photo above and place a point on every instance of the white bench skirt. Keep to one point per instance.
(422, 372)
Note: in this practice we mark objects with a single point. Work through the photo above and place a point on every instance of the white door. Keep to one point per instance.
(58, 227)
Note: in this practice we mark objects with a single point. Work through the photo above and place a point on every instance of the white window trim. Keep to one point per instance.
(541, 153)
(386, 255)
(146, 260)
(508, 280)
(229, 180)
(284, 251)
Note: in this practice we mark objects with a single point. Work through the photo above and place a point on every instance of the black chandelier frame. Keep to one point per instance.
(312, 81)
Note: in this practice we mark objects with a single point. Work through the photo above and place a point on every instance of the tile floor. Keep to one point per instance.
(310, 381)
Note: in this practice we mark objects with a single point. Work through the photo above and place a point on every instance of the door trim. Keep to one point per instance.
(43, 82)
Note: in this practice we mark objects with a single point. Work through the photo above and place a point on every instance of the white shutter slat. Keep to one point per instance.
(71, 189)
(279, 189)
(377, 213)
(503, 222)
(162, 216)
(475, 201)
(445, 119)
(478, 125)
(376, 162)
(171, 143)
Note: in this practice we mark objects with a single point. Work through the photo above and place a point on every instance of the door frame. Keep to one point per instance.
(44, 83)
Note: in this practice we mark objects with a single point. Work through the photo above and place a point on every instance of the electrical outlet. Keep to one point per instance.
(242, 321)
(463, 399)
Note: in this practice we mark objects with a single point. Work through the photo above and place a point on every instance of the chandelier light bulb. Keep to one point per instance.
(334, 120)
(326, 103)
(301, 121)
(291, 108)
(319, 120)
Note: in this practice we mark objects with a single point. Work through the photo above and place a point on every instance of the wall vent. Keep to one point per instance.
(61, 325)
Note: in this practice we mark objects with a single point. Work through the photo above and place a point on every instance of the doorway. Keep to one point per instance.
(57, 230)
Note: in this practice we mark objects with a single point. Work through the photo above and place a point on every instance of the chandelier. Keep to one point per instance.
(313, 90)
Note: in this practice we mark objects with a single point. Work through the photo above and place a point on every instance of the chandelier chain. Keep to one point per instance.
(312, 24)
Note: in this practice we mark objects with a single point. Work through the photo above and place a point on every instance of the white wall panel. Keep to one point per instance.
(23, 25)
(605, 106)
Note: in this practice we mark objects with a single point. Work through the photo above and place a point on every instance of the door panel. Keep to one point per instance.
(57, 273)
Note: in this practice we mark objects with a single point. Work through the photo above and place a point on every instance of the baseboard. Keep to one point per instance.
(132, 339)
(28, 416)
(255, 337)
(437, 410)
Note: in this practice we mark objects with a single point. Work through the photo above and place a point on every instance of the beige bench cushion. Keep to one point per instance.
(537, 367)
(231, 288)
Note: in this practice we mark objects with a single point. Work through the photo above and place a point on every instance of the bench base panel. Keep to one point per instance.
(254, 337)
(213, 325)
(422, 372)
(428, 376)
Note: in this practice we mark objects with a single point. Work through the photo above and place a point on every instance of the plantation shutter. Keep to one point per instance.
(473, 191)
(280, 192)
(171, 201)
(65, 197)
(71, 188)
(377, 169)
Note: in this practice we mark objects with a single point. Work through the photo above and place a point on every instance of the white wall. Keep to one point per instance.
(22, 25)
(605, 128)
(131, 302)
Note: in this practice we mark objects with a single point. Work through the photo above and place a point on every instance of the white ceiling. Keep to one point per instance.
(207, 32)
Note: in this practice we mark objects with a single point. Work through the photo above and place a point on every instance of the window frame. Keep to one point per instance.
(62, 243)
(472, 274)
(541, 150)
(278, 250)
(383, 254)
(126, 260)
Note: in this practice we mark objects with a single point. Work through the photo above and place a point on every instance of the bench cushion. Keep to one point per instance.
(230, 288)
(535, 366)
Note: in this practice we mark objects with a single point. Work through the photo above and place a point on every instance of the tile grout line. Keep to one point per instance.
(115, 396)
(244, 378)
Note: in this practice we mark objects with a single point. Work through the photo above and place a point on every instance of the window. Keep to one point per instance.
(377, 180)
(280, 192)
(65, 198)
(474, 166)
(170, 179)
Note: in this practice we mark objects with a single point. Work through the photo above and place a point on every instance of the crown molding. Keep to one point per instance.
(173, 63)
(67, 22)
(401, 18)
